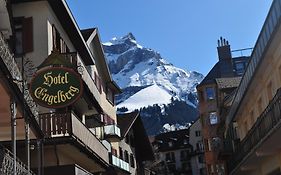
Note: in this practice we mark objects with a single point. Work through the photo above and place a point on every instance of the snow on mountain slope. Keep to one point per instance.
(147, 97)
(134, 65)
(165, 94)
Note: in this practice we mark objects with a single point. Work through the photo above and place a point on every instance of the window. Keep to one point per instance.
(126, 156)
(109, 95)
(213, 118)
(58, 43)
(197, 133)
(210, 93)
(121, 153)
(207, 145)
(23, 35)
(184, 155)
(199, 146)
(170, 157)
(132, 160)
(240, 68)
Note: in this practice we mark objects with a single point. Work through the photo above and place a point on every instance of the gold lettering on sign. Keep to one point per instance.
(61, 96)
(50, 80)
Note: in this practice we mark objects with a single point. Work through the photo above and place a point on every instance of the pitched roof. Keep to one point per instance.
(126, 121)
(214, 73)
(133, 121)
(224, 83)
(87, 33)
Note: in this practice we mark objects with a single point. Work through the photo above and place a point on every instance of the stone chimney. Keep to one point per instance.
(225, 58)
(224, 51)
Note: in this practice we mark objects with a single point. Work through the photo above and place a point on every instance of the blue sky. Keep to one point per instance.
(184, 32)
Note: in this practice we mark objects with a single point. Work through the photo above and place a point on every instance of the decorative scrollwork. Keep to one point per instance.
(15, 72)
(80, 68)
(7, 163)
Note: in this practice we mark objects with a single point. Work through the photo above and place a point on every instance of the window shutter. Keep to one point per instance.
(27, 35)
(54, 37)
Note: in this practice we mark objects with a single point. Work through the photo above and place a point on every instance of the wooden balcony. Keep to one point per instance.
(112, 132)
(119, 163)
(69, 127)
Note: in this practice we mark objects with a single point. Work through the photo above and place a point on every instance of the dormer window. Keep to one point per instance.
(210, 93)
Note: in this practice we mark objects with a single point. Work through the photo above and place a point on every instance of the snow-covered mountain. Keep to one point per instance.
(146, 78)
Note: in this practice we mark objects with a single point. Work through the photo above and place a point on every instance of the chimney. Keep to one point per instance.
(224, 51)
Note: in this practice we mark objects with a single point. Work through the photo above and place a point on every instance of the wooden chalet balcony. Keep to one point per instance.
(116, 161)
(112, 132)
(67, 125)
(7, 163)
(266, 125)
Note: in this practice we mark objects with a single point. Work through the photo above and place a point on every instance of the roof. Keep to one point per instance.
(126, 121)
(224, 83)
(179, 139)
(92, 35)
(87, 33)
(132, 121)
(214, 73)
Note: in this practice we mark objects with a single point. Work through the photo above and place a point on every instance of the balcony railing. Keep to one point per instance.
(112, 130)
(67, 124)
(265, 124)
(7, 162)
(119, 163)
(270, 25)
(16, 74)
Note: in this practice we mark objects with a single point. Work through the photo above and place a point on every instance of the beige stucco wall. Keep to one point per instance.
(130, 150)
(43, 19)
(269, 72)
(193, 140)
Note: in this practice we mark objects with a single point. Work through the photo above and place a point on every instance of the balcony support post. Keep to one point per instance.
(27, 144)
(39, 158)
(13, 109)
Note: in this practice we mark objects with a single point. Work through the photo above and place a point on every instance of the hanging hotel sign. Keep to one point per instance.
(56, 87)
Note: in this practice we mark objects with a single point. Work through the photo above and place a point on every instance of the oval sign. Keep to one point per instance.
(56, 87)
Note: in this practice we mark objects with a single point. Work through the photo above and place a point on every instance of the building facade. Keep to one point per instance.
(253, 122)
(172, 153)
(134, 147)
(42, 39)
(196, 140)
(219, 83)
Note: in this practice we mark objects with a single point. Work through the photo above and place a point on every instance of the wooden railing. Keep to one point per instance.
(67, 124)
(267, 121)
